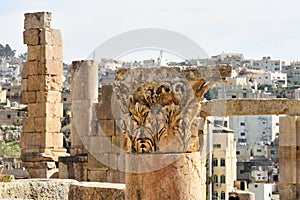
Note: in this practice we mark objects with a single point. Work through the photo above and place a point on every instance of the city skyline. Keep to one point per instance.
(253, 28)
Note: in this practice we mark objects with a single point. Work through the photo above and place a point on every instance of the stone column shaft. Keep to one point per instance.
(84, 96)
(289, 157)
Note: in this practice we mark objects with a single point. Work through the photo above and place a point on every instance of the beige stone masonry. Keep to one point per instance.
(48, 97)
(50, 37)
(37, 20)
(29, 97)
(29, 69)
(31, 36)
(36, 36)
(38, 140)
(47, 124)
(45, 83)
(42, 67)
(41, 52)
(45, 110)
(50, 67)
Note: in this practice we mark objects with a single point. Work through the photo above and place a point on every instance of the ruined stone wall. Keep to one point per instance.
(42, 82)
(105, 162)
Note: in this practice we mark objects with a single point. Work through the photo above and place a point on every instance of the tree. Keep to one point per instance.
(6, 52)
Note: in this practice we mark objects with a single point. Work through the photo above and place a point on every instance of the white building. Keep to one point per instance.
(241, 87)
(233, 59)
(252, 130)
(267, 64)
(262, 191)
(271, 78)
(292, 70)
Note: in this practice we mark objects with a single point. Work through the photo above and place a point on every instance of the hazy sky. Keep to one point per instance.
(255, 28)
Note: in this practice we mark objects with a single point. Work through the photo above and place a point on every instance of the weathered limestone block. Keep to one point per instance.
(43, 36)
(74, 167)
(46, 189)
(40, 141)
(48, 96)
(45, 83)
(29, 69)
(100, 162)
(178, 177)
(115, 176)
(28, 125)
(50, 67)
(42, 52)
(37, 20)
(106, 127)
(45, 110)
(97, 175)
(47, 125)
(30, 140)
(31, 36)
(50, 37)
(42, 67)
(94, 190)
(29, 97)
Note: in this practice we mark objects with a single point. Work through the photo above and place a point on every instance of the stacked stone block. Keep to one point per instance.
(105, 161)
(289, 157)
(42, 82)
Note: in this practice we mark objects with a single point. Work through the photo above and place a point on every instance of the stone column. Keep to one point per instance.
(181, 178)
(289, 157)
(42, 82)
(84, 98)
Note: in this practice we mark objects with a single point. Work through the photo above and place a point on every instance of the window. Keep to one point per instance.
(264, 122)
(215, 162)
(215, 196)
(242, 123)
(258, 150)
(274, 152)
(243, 140)
(242, 171)
(264, 132)
(277, 124)
(242, 134)
(233, 96)
(222, 195)
(223, 179)
(217, 146)
(222, 162)
(238, 152)
(215, 179)
(8, 116)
